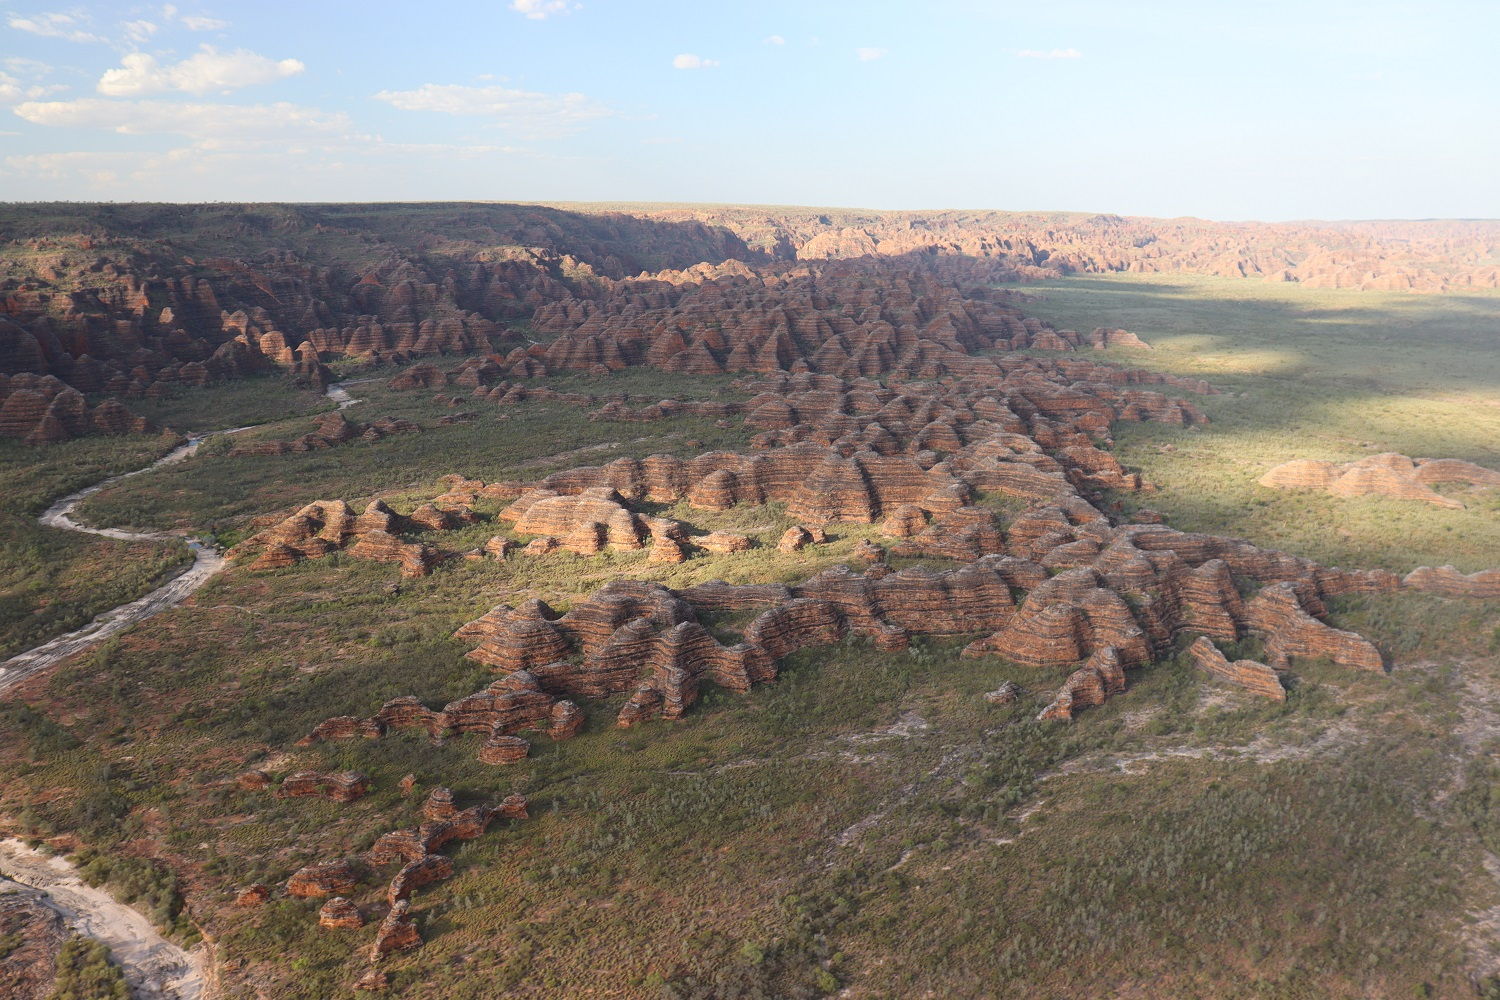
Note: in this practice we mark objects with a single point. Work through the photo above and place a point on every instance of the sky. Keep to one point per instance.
(1253, 109)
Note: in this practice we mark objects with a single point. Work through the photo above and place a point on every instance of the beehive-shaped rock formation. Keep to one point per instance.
(1389, 475)
(1257, 678)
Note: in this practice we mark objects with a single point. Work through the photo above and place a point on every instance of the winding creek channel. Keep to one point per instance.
(155, 968)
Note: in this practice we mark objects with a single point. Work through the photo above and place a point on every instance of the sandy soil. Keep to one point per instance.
(155, 968)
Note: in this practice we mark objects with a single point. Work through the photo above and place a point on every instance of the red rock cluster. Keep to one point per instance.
(1254, 677)
(102, 326)
(1389, 475)
(329, 525)
(330, 431)
(853, 319)
(1424, 256)
(1098, 596)
(346, 786)
(40, 409)
(413, 853)
(1110, 596)
(123, 310)
(512, 704)
(1449, 582)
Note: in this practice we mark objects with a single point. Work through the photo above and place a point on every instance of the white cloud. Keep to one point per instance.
(229, 168)
(870, 54)
(209, 69)
(538, 10)
(689, 61)
(13, 90)
(22, 80)
(521, 110)
(773, 40)
(20, 64)
(138, 32)
(57, 24)
(1049, 54)
(197, 121)
(193, 23)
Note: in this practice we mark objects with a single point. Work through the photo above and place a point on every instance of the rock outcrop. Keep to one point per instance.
(41, 409)
(330, 431)
(339, 913)
(346, 786)
(1257, 678)
(332, 878)
(1388, 475)
(1449, 582)
(397, 932)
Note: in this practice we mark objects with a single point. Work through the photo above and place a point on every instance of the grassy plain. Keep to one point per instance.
(217, 492)
(867, 826)
(52, 581)
(1307, 373)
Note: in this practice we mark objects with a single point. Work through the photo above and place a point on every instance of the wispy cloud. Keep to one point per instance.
(243, 164)
(523, 111)
(197, 121)
(1049, 54)
(208, 70)
(138, 32)
(687, 60)
(194, 23)
(22, 80)
(773, 40)
(871, 54)
(539, 10)
(56, 24)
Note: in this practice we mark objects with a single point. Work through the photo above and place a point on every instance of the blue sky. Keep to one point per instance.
(1243, 110)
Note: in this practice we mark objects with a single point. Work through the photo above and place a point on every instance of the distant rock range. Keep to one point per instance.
(131, 301)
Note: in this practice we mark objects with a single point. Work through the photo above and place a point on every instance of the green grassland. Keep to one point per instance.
(53, 581)
(258, 399)
(216, 492)
(1307, 373)
(867, 826)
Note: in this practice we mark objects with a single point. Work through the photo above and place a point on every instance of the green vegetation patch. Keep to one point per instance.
(1307, 373)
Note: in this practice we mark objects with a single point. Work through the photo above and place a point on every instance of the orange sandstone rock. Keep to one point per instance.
(1257, 678)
